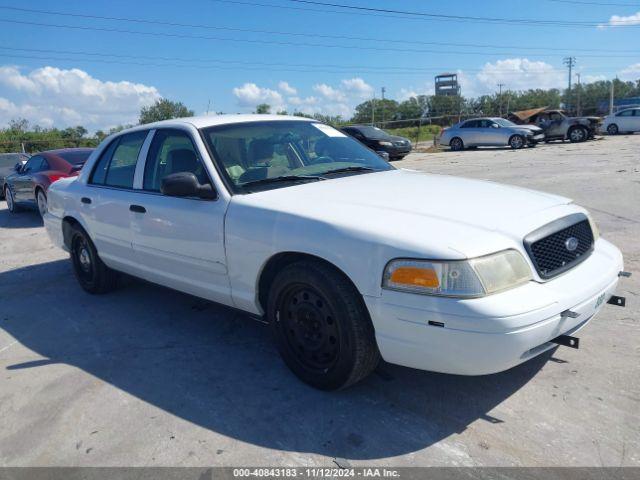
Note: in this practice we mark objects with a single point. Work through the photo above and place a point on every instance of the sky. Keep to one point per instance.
(97, 63)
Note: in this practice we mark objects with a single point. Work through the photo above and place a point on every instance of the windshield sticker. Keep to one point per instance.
(328, 131)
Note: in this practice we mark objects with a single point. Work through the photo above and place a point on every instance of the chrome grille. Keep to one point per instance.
(560, 245)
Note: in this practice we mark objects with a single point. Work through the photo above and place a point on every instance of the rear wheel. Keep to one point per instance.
(321, 326)
(456, 144)
(41, 199)
(612, 129)
(516, 142)
(92, 274)
(577, 134)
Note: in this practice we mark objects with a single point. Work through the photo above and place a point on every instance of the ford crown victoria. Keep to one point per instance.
(348, 258)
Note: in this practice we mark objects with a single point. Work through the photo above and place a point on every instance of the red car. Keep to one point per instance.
(28, 185)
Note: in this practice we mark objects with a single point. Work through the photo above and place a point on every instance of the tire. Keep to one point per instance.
(516, 142)
(11, 203)
(578, 134)
(41, 201)
(90, 271)
(613, 129)
(321, 326)
(456, 144)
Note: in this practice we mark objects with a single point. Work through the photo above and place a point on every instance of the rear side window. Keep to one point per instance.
(171, 151)
(626, 113)
(117, 164)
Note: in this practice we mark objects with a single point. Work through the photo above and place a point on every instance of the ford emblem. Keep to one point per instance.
(571, 244)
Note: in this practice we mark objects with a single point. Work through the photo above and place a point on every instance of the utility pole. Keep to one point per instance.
(500, 85)
(383, 90)
(569, 62)
(373, 109)
(578, 108)
(611, 99)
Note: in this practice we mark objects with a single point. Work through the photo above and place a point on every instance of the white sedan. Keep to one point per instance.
(348, 258)
(624, 121)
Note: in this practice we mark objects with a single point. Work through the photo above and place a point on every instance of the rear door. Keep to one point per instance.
(635, 125)
(108, 197)
(625, 120)
(179, 242)
(470, 132)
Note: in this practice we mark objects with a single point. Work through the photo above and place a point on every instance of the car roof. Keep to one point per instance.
(58, 151)
(205, 121)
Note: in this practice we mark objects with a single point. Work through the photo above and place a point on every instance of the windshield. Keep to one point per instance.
(75, 158)
(504, 122)
(255, 154)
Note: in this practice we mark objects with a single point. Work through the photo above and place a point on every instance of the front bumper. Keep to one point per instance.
(494, 333)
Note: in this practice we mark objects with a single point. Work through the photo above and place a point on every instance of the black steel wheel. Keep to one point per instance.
(90, 271)
(321, 325)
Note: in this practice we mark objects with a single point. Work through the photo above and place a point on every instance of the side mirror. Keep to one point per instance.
(185, 184)
(384, 155)
(18, 167)
(495, 125)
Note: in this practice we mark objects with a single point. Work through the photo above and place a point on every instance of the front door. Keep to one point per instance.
(179, 242)
(23, 181)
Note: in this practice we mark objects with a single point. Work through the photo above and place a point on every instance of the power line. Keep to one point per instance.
(283, 43)
(520, 21)
(306, 67)
(276, 32)
(403, 17)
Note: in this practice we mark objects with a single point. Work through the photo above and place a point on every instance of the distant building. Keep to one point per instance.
(618, 104)
(447, 84)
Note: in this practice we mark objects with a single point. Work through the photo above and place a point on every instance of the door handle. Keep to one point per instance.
(86, 200)
(137, 208)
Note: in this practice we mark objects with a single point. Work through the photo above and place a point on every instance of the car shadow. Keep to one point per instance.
(24, 218)
(217, 368)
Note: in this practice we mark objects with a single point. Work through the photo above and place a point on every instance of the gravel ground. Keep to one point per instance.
(149, 377)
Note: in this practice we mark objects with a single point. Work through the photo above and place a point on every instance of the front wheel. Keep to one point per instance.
(90, 271)
(11, 201)
(577, 135)
(612, 129)
(516, 142)
(321, 326)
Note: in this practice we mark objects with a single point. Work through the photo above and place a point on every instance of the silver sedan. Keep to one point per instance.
(494, 132)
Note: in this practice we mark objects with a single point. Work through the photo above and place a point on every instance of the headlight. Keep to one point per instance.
(476, 277)
(594, 227)
(385, 144)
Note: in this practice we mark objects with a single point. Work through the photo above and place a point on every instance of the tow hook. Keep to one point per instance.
(619, 301)
(567, 341)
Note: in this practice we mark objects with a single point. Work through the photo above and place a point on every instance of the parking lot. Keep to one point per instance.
(146, 376)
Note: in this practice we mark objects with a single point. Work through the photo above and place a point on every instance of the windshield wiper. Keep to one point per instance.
(282, 178)
(350, 169)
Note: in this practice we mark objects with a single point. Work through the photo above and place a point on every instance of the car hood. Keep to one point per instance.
(532, 128)
(395, 138)
(414, 209)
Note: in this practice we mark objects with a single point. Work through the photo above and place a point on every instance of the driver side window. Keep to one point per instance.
(33, 165)
(171, 151)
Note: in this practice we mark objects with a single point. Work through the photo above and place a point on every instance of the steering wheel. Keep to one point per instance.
(318, 160)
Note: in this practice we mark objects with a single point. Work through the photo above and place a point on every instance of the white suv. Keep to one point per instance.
(348, 258)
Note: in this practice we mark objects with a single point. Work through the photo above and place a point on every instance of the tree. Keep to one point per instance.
(382, 109)
(164, 109)
(263, 108)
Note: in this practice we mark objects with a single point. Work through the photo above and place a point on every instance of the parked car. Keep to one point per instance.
(380, 141)
(9, 164)
(347, 258)
(27, 187)
(496, 132)
(557, 125)
(624, 121)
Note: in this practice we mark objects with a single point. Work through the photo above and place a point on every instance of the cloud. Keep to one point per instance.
(250, 95)
(515, 74)
(287, 89)
(358, 87)
(51, 96)
(632, 72)
(620, 20)
(329, 92)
